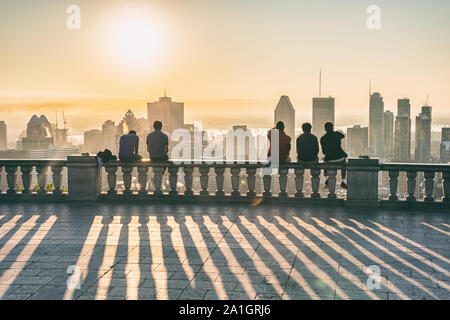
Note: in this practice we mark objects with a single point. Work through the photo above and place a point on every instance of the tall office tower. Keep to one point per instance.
(423, 135)
(402, 137)
(445, 145)
(170, 113)
(3, 136)
(109, 136)
(388, 134)
(285, 112)
(357, 141)
(93, 141)
(38, 135)
(376, 109)
(323, 111)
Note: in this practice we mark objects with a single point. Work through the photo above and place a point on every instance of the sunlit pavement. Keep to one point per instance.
(157, 251)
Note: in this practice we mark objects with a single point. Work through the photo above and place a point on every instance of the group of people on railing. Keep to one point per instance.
(307, 146)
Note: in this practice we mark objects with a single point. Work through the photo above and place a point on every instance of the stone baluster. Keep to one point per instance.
(446, 185)
(142, 179)
(235, 181)
(57, 178)
(283, 181)
(251, 172)
(204, 170)
(112, 178)
(267, 181)
(11, 178)
(411, 182)
(219, 181)
(26, 178)
(126, 170)
(393, 183)
(315, 180)
(429, 184)
(157, 179)
(42, 171)
(1, 178)
(332, 183)
(173, 177)
(299, 174)
(188, 180)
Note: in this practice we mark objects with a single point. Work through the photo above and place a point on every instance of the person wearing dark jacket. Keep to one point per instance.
(307, 146)
(284, 143)
(331, 148)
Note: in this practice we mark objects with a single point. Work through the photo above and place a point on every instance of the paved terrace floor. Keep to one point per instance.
(160, 251)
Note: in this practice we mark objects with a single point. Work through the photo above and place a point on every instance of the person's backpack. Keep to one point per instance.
(106, 155)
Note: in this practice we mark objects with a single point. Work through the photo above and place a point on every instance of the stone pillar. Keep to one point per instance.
(429, 184)
(173, 175)
(219, 180)
(393, 184)
(331, 183)
(157, 179)
(235, 181)
(204, 170)
(188, 180)
(445, 184)
(251, 172)
(142, 178)
(11, 178)
(362, 182)
(299, 174)
(57, 178)
(283, 181)
(85, 182)
(267, 179)
(412, 175)
(26, 178)
(126, 170)
(112, 178)
(315, 180)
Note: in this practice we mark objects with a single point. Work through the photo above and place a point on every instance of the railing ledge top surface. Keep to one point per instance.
(32, 162)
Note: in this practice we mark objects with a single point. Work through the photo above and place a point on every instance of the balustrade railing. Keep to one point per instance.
(29, 179)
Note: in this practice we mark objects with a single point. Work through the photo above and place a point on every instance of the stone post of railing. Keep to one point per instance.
(283, 181)
(26, 178)
(362, 182)
(219, 180)
(57, 178)
(85, 181)
(251, 172)
(11, 178)
(446, 185)
(173, 178)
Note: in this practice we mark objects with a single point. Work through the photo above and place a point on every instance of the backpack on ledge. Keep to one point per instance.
(106, 155)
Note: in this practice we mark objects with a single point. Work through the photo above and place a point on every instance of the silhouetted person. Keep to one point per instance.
(307, 146)
(331, 148)
(129, 147)
(284, 144)
(158, 144)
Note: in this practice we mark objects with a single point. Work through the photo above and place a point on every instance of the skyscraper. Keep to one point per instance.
(423, 135)
(3, 136)
(376, 109)
(38, 135)
(402, 137)
(285, 112)
(170, 113)
(109, 136)
(323, 111)
(93, 141)
(388, 134)
(445, 145)
(357, 139)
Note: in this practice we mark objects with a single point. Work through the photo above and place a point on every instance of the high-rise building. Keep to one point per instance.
(388, 134)
(423, 135)
(323, 111)
(284, 111)
(402, 137)
(38, 135)
(445, 145)
(3, 136)
(109, 136)
(376, 109)
(170, 113)
(357, 141)
(93, 141)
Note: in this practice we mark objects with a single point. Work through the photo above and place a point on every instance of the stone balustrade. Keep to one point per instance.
(170, 181)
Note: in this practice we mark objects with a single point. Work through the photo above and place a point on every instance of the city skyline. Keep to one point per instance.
(217, 58)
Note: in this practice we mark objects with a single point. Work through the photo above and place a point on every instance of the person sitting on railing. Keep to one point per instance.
(307, 146)
(129, 147)
(284, 144)
(331, 148)
(158, 144)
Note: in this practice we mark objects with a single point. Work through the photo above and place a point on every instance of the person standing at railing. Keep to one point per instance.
(284, 143)
(331, 148)
(307, 146)
(129, 147)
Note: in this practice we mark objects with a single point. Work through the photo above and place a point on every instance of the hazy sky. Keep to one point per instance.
(228, 60)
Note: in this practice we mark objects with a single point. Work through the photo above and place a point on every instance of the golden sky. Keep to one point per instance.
(228, 60)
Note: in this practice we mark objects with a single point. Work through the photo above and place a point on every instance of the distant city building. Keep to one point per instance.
(357, 141)
(323, 111)
(170, 113)
(445, 145)
(130, 122)
(388, 134)
(284, 111)
(13, 154)
(423, 135)
(3, 136)
(38, 135)
(93, 141)
(109, 136)
(376, 110)
(402, 137)
(54, 152)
